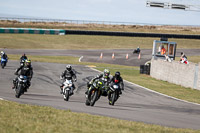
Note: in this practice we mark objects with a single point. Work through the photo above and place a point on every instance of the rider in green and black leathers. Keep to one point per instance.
(106, 80)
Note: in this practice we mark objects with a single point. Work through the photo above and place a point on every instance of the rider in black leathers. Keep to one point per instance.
(23, 58)
(68, 74)
(25, 70)
(105, 78)
(118, 79)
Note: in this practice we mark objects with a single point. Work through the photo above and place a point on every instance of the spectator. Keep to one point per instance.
(183, 58)
(163, 50)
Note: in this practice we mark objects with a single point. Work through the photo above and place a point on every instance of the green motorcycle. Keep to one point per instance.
(94, 92)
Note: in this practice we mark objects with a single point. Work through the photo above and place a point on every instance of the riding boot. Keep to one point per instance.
(120, 92)
(61, 91)
(86, 92)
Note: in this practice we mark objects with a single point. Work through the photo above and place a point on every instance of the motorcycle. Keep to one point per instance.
(22, 62)
(113, 93)
(21, 85)
(67, 89)
(3, 62)
(136, 51)
(94, 92)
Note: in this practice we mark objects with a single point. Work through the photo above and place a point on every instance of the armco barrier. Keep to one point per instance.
(187, 75)
(32, 31)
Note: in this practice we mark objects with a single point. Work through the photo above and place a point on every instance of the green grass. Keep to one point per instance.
(16, 117)
(23, 118)
(29, 41)
(195, 59)
(129, 73)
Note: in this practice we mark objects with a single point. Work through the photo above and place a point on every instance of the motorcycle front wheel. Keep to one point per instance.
(93, 97)
(2, 65)
(66, 95)
(18, 91)
(112, 98)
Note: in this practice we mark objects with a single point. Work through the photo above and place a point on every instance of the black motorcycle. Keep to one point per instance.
(136, 51)
(21, 85)
(113, 93)
(22, 62)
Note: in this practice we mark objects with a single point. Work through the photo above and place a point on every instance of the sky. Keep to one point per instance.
(134, 11)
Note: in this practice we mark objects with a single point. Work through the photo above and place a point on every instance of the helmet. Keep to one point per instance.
(2, 52)
(24, 54)
(68, 67)
(117, 75)
(106, 73)
(28, 62)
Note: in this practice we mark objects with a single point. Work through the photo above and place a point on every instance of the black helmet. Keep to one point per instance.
(68, 67)
(117, 75)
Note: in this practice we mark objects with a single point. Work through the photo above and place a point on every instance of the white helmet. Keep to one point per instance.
(69, 67)
(2, 53)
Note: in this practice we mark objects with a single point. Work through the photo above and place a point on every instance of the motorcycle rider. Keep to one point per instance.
(68, 74)
(4, 56)
(25, 70)
(104, 77)
(137, 50)
(118, 80)
(23, 58)
(183, 59)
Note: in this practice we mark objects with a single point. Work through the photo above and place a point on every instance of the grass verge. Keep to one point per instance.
(129, 73)
(29, 41)
(23, 118)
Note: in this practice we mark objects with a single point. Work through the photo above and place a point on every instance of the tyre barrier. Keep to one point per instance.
(103, 33)
(145, 69)
(32, 31)
(131, 34)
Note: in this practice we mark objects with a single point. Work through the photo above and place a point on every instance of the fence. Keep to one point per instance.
(23, 20)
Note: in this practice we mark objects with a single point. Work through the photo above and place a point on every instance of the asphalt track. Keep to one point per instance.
(94, 55)
(135, 104)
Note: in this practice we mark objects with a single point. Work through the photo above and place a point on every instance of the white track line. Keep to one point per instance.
(1, 99)
(80, 58)
(154, 91)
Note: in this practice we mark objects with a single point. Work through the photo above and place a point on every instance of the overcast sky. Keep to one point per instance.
(102, 10)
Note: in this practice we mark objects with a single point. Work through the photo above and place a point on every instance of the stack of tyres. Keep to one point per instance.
(145, 69)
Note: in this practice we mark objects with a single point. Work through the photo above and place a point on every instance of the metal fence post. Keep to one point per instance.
(196, 76)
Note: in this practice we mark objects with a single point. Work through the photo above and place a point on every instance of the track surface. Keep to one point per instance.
(135, 104)
(94, 55)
